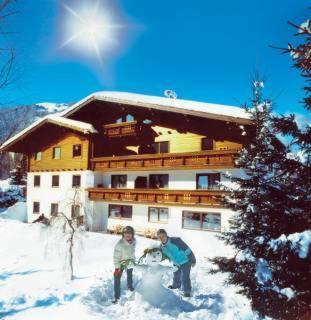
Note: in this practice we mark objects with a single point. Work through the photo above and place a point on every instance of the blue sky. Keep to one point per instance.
(204, 50)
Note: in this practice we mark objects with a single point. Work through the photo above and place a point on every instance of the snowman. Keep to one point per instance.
(150, 286)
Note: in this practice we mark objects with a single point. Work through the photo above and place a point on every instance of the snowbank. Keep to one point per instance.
(17, 212)
(32, 284)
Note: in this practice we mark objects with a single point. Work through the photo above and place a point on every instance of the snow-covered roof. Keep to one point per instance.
(80, 126)
(201, 109)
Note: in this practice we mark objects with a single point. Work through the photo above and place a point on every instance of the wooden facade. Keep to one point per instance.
(67, 160)
(208, 198)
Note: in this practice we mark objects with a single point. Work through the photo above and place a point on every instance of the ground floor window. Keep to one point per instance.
(36, 207)
(54, 209)
(158, 215)
(118, 211)
(201, 220)
(75, 211)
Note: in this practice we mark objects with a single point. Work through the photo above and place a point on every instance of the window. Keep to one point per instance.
(207, 144)
(55, 181)
(54, 209)
(121, 212)
(38, 156)
(118, 181)
(76, 181)
(36, 181)
(201, 221)
(208, 181)
(36, 207)
(56, 152)
(158, 215)
(160, 147)
(77, 150)
(75, 211)
(157, 181)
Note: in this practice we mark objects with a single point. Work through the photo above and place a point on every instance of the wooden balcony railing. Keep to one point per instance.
(115, 130)
(215, 159)
(210, 198)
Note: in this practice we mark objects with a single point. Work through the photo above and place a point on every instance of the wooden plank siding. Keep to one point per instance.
(66, 161)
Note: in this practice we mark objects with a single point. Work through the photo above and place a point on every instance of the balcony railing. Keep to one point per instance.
(115, 130)
(214, 159)
(210, 198)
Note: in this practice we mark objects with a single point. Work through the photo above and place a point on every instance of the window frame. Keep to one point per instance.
(73, 179)
(55, 186)
(118, 175)
(52, 213)
(201, 220)
(34, 204)
(73, 150)
(158, 210)
(35, 184)
(212, 141)
(121, 210)
(160, 174)
(198, 175)
(157, 148)
(54, 153)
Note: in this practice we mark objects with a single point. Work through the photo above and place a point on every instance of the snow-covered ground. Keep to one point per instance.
(33, 284)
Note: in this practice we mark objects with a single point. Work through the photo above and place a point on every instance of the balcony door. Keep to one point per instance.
(141, 182)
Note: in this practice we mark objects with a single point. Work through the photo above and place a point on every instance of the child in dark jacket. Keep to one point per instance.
(181, 256)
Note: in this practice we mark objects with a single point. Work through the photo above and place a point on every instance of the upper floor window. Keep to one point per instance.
(207, 144)
(38, 156)
(208, 181)
(118, 181)
(54, 209)
(158, 215)
(160, 147)
(77, 150)
(118, 211)
(56, 152)
(201, 220)
(55, 181)
(76, 181)
(36, 207)
(36, 181)
(157, 181)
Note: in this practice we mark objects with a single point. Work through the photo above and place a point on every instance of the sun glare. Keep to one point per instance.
(90, 30)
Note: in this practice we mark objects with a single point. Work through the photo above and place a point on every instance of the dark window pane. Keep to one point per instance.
(77, 150)
(118, 181)
(75, 211)
(54, 209)
(191, 220)
(211, 221)
(163, 148)
(55, 181)
(155, 148)
(158, 181)
(76, 181)
(214, 180)
(114, 211)
(36, 181)
(127, 212)
(36, 207)
(207, 144)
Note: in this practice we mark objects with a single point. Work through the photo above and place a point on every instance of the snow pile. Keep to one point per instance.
(300, 242)
(17, 212)
(32, 284)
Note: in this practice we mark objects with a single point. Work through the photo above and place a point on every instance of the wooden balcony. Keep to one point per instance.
(123, 129)
(207, 198)
(215, 159)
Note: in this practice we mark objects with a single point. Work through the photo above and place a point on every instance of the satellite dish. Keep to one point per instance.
(170, 94)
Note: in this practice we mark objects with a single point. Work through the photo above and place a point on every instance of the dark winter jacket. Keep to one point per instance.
(178, 251)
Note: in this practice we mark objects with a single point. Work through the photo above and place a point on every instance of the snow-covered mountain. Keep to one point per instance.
(45, 108)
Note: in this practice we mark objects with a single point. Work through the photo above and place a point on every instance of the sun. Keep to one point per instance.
(90, 29)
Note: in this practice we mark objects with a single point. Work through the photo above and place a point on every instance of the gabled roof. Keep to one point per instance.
(195, 108)
(80, 126)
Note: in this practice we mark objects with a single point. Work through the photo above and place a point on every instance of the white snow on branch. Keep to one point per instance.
(263, 272)
(300, 242)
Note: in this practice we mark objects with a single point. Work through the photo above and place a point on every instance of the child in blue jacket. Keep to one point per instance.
(181, 256)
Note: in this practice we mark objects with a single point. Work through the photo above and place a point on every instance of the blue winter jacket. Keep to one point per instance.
(178, 251)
